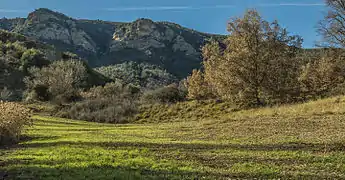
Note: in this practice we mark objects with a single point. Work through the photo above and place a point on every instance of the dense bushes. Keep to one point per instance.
(59, 82)
(167, 94)
(13, 118)
(17, 55)
(32, 57)
(113, 103)
(108, 110)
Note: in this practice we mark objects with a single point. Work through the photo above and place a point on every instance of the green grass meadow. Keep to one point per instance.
(305, 141)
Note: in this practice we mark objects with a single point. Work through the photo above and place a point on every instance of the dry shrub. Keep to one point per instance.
(113, 103)
(13, 118)
(167, 94)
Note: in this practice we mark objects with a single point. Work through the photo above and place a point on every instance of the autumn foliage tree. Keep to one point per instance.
(255, 65)
(332, 28)
(324, 76)
(197, 86)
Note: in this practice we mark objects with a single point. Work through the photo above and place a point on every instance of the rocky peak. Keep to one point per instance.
(47, 25)
(43, 14)
(138, 29)
(145, 26)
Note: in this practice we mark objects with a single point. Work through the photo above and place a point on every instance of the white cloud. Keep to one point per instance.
(186, 8)
(168, 8)
(293, 4)
(11, 11)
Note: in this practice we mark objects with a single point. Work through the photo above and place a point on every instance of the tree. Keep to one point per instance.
(256, 64)
(197, 87)
(332, 28)
(60, 81)
(33, 57)
(324, 76)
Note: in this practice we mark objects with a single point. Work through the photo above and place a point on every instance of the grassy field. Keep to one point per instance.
(290, 142)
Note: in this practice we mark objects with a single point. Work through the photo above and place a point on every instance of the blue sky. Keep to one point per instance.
(298, 16)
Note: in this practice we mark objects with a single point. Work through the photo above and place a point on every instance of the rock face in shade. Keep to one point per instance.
(175, 48)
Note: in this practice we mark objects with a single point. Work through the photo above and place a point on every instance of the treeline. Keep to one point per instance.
(261, 64)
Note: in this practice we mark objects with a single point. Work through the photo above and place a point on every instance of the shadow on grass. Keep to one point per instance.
(35, 172)
(36, 169)
(64, 123)
(76, 173)
(334, 147)
(108, 172)
(71, 129)
(25, 138)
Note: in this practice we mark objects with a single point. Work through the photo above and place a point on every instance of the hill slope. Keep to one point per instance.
(304, 141)
(169, 45)
(19, 53)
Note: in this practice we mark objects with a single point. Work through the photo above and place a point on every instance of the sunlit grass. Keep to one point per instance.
(303, 141)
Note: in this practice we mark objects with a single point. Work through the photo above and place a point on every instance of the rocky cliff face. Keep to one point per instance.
(168, 45)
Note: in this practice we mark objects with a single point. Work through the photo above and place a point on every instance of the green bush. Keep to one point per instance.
(33, 57)
(5, 94)
(59, 82)
(139, 74)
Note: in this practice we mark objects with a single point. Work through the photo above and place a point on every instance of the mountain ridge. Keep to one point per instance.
(102, 43)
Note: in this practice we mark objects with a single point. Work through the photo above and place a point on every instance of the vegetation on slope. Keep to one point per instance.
(143, 75)
(17, 55)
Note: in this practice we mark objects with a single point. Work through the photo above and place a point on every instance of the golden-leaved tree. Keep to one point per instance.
(255, 65)
(332, 28)
(324, 76)
(197, 87)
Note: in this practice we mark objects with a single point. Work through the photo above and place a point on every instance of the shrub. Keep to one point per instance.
(104, 110)
(113, 103)
(167, 94)
(13, 118)
(33, 57)
(5, 94)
